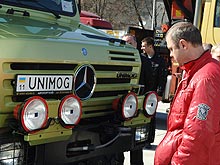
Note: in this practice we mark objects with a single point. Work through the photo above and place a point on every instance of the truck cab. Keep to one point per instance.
(70, 93)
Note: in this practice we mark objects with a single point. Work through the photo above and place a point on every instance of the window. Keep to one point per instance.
(217, 14)
(58, 7)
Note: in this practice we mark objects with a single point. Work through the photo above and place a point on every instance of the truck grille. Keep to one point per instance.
(15, 152)
(46, 66)
(108, 85)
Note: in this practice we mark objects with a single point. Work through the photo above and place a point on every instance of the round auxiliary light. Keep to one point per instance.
(70, 111)
(33, 114)
(150, 103)
(129, 105)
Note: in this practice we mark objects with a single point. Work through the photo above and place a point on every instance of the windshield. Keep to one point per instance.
(59, 7)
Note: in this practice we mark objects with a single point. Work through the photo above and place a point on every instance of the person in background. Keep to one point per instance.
(207, 46)
(215, 51)
(146, 70)
(130, 39)
(158, 65)
(193, 130)
(136, 156)
(159, 76)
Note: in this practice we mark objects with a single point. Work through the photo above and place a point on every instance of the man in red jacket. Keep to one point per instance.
(193, 133)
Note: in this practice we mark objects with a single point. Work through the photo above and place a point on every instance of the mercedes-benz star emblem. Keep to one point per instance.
(85, 81)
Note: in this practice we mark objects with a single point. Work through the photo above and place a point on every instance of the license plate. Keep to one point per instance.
(44, 84)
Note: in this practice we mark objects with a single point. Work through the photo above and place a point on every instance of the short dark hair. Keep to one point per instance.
(186, 31)
(129, 35)
(148, 40)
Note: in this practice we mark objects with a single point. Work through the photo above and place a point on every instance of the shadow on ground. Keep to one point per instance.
(152, 147)
(161, 121)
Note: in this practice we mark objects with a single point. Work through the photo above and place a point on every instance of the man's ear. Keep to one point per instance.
(183, 44)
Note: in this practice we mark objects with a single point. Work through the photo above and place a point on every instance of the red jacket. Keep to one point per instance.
(193, 133)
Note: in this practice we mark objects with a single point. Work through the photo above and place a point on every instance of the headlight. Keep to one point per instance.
(150, 104)
(33, 114)
(126, 105)
(141, 134)
(70, 111)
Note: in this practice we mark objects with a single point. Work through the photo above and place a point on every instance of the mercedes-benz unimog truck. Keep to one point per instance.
(69, 93)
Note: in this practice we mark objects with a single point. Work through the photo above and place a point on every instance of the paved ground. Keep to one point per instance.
(148, 154)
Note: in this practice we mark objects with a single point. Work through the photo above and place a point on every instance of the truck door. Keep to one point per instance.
(217, 22)
(210, 28)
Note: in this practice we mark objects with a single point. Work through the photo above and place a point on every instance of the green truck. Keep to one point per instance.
(69, 92)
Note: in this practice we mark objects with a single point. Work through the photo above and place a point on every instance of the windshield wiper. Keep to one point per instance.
(11, 11)
(45, 7)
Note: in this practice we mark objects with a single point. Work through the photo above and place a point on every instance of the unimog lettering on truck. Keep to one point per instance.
(69, 92)
(44, 83)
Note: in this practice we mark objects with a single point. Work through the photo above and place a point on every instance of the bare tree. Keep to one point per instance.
(123, 13)
(100, 6)
(138, 13)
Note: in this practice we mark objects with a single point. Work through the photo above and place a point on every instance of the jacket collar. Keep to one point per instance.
(189, 66)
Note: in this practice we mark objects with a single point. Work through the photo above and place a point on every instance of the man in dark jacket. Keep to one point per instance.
(159, 73)
(146, 69)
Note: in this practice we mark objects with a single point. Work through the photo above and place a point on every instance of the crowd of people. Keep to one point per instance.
(193, 130)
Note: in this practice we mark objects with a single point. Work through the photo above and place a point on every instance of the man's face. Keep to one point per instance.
(145, 48)
(175, 53)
